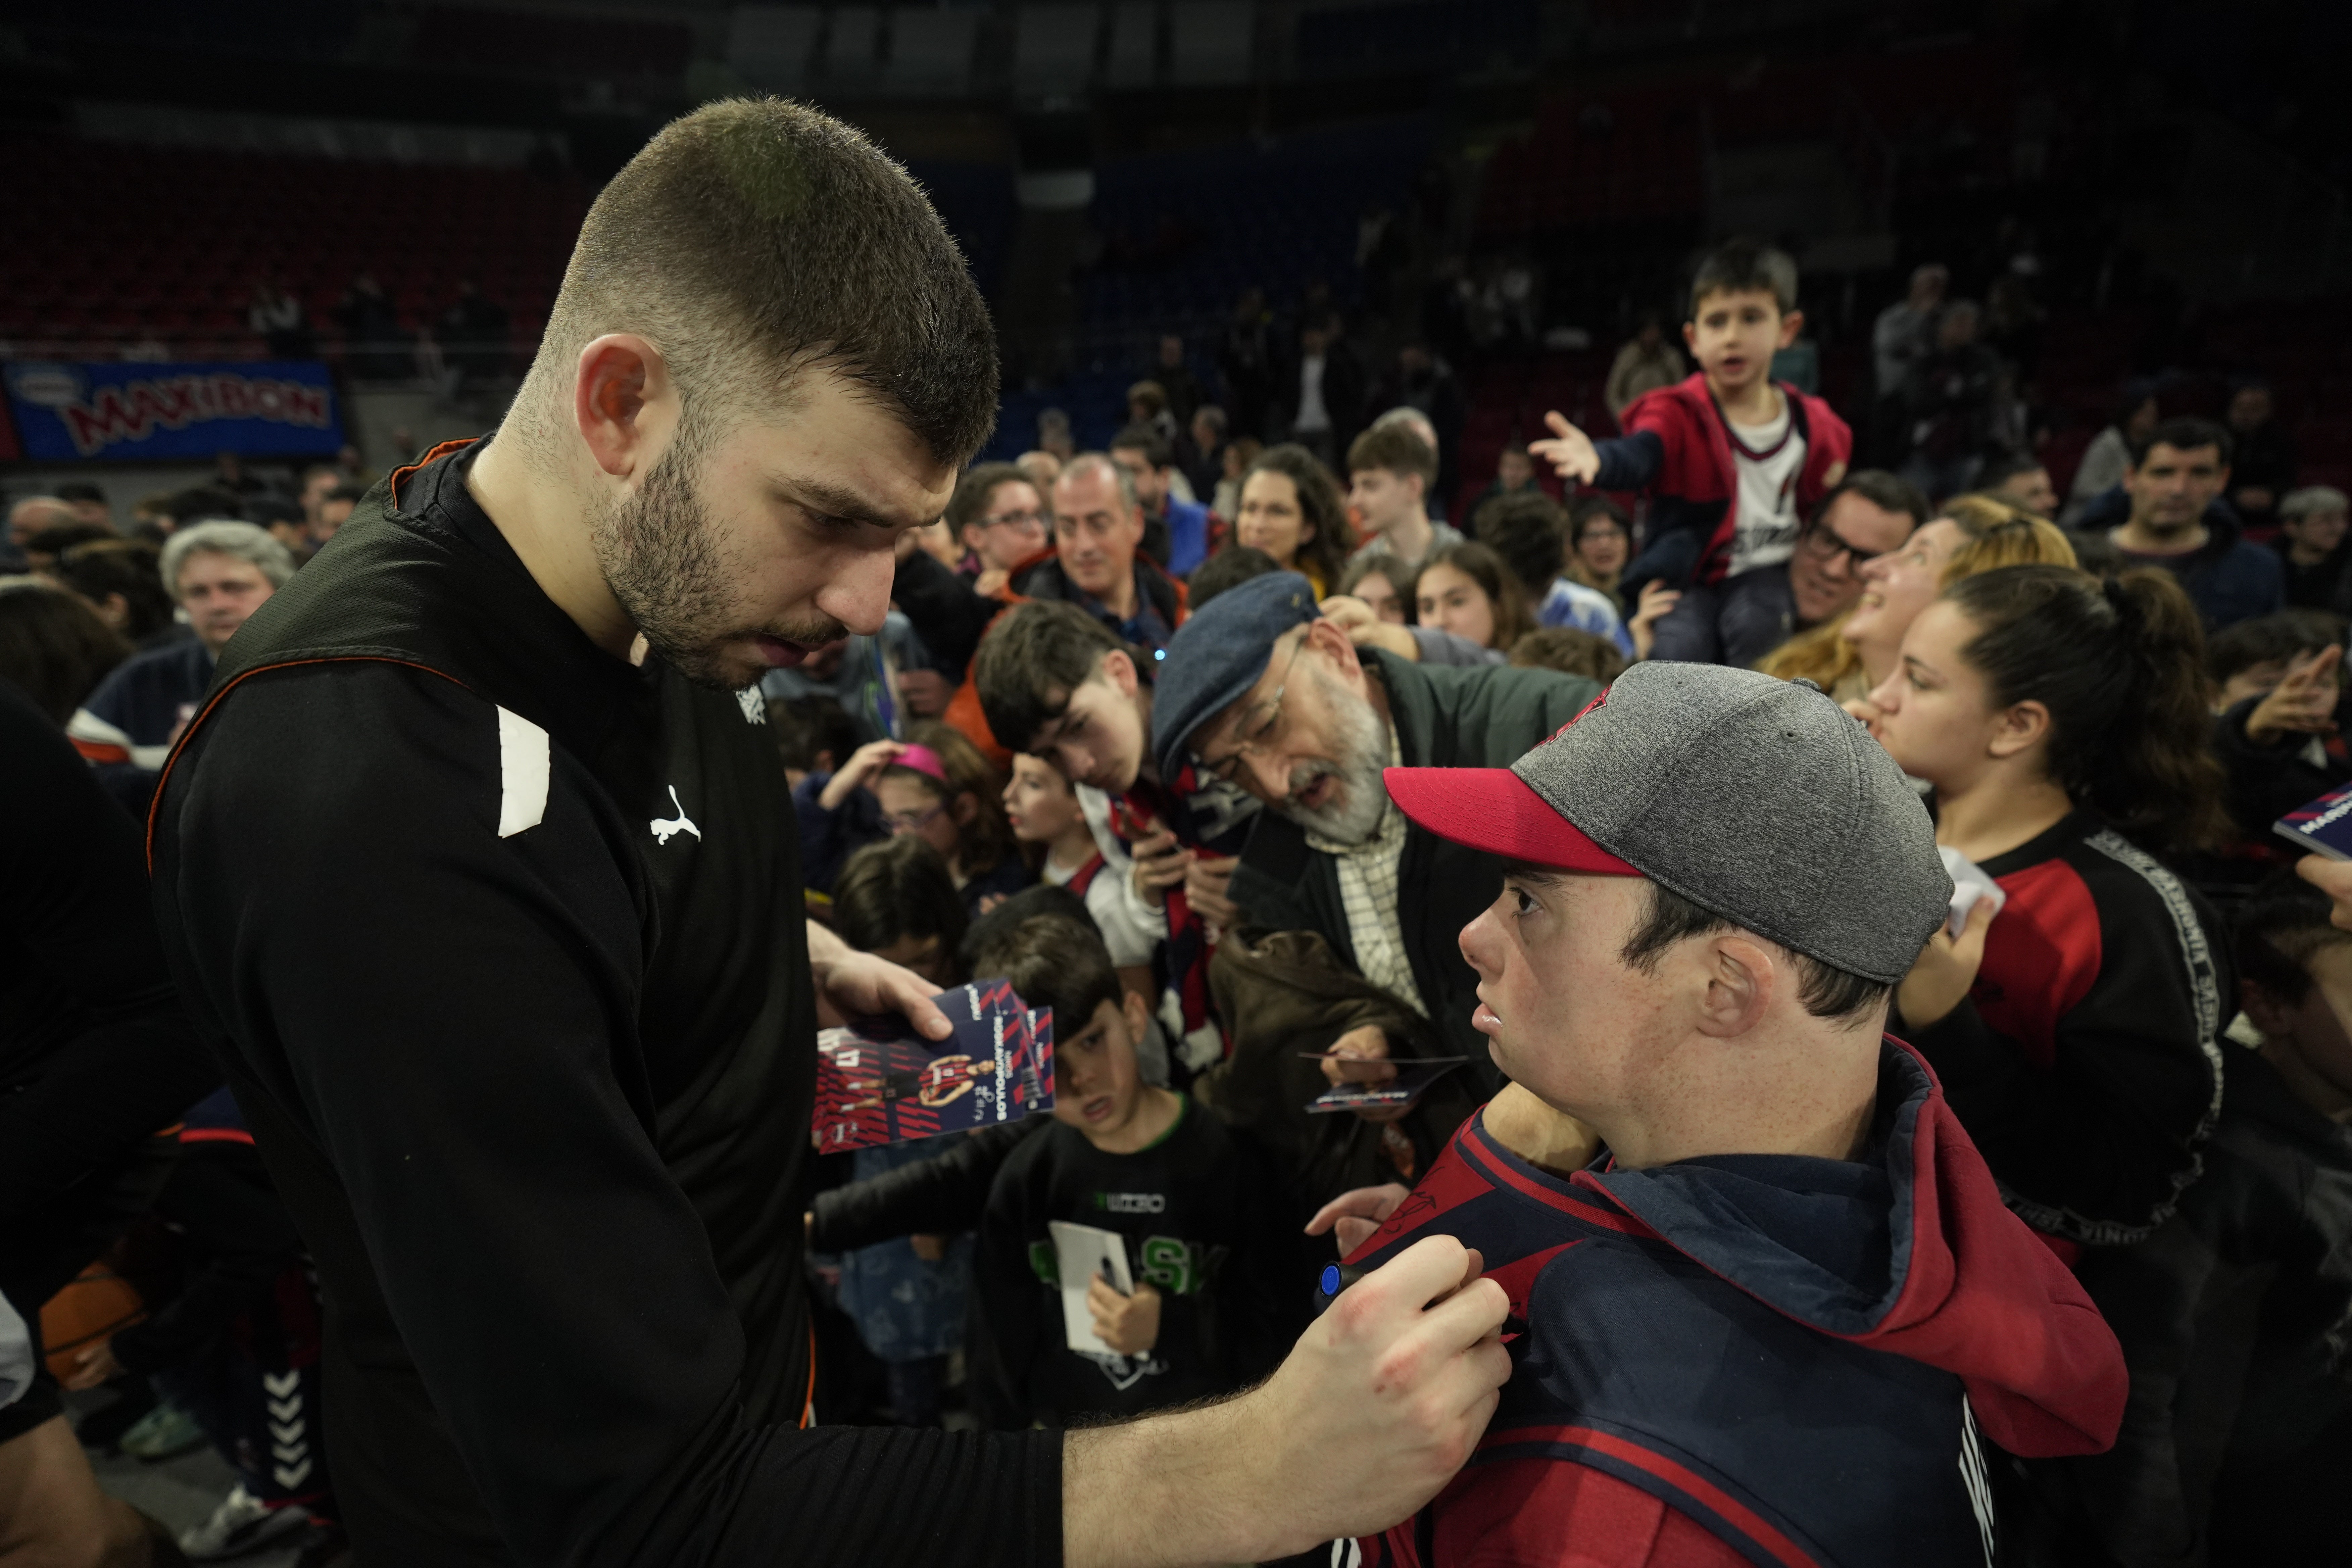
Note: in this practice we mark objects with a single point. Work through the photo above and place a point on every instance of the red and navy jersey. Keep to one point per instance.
(1769, 1359)
(2085, 1062)
(1677, 449)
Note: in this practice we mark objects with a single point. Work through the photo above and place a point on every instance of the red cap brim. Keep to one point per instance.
(1493, 809)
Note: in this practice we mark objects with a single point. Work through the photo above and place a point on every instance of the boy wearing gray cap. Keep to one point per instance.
(1767, 1310)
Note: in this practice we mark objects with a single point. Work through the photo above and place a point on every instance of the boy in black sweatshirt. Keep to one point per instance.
(1193, 1204)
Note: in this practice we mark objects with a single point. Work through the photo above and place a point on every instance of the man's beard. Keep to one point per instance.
(1361, 742)
(662, 557)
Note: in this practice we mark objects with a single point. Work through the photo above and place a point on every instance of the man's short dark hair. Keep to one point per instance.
(976, 490)
(1396, 449)
(1529, 530)
(1827, 993)
(2267, 638)
(1053, 962)
(1228, 568)
(2000, 469)
(754, 239)
(1146, 439)
(270, 511)
(896, 888)
(79, 490)
(1887, 492)
(1031, 660)
(1746, 266)
(2186, 434)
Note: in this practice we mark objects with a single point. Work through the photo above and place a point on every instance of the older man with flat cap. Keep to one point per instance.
(1770, 1304)
(1259, 688)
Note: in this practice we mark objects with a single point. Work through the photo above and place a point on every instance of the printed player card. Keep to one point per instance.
(879, 1082)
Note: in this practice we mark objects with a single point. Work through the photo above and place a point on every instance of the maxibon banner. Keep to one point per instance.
(115, 413)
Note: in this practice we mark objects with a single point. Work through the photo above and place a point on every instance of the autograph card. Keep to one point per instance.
(2323, 825)
(1412, 1081)
(879, 1082)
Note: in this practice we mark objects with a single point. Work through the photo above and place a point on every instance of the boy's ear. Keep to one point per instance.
(1791, 324)
(1690, 337)
(1138, 1014)
(1120, 671)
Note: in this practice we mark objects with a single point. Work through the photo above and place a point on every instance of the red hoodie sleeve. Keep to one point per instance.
(1555, 1513)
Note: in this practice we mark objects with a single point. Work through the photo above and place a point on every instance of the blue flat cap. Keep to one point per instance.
(1218, 655)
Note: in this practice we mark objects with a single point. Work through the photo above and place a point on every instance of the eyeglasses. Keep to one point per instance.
(1256, 726)
(1014, 520)
(911, 821)
(1823, 540)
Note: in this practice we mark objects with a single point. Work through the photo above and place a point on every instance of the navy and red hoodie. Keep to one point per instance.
(1761, 1359)
(1676, 449)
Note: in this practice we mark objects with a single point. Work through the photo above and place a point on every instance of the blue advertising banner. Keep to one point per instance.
(109, 413)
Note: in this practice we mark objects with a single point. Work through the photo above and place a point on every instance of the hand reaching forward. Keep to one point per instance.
(1568, 449)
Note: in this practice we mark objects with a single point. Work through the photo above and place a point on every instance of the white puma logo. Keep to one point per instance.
(669, 827)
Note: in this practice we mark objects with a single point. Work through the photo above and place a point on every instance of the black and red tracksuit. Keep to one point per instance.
(501, 941)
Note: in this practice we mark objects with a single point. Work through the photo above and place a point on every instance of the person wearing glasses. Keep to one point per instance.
(1853, 652)
(1262, 690)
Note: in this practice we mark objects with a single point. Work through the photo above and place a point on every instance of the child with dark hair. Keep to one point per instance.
(2061, 723)
(1732, 461)
(907, 1296)
(1530, 532)
(1228, 568)
(1569, 651)
(2279, 682)
(1189, 1197)
(812, 735)
(2231, 1316)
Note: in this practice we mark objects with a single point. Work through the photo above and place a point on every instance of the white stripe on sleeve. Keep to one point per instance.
(522, 774)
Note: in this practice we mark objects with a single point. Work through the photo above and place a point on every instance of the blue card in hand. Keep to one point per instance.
(2323, 826)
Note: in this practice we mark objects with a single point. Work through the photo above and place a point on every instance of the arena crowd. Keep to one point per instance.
(1882, 1082)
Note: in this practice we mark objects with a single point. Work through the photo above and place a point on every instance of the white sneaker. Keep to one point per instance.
(242, 1523)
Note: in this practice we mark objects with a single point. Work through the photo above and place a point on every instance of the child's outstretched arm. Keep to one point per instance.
(1627, 462)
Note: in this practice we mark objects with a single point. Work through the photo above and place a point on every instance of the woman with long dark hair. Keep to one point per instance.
(1291, 508)
(2062, 722)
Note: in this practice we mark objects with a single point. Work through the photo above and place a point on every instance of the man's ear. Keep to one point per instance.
(625, 403)
(2273, 1015)
(1323, 634)
(1741, 978)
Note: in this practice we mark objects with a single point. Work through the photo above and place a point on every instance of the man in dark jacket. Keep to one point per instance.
(1096, 561)
(1262, 688)
(2169, 512)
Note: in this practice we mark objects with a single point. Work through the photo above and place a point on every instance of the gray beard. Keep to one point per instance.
(1362, 742)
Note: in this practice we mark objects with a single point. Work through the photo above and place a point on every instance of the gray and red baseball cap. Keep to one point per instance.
(1758, 800)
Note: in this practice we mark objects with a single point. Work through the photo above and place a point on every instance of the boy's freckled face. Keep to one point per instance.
(1733, 334)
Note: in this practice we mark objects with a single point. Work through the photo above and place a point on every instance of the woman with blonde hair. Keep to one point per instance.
(1849, 656)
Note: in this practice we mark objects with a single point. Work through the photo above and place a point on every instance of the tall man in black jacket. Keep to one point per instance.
(477, 872)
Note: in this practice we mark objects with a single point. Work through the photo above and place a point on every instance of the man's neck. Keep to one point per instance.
(1409, 534)
(1757, 403)
(544, 523)
(1817, 1101)
(1120, 600)
(2140, 539)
